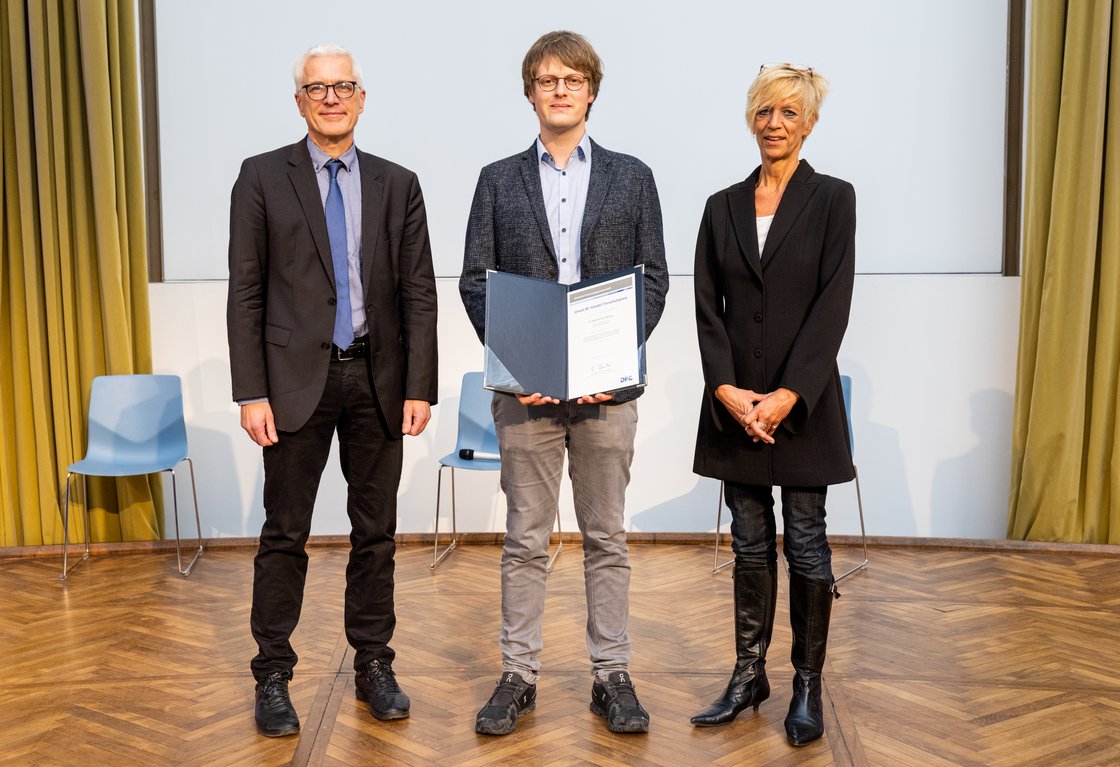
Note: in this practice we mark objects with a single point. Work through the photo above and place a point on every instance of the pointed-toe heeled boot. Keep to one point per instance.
(755, 595)
(810, 608)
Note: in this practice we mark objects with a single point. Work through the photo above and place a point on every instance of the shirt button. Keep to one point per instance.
(563, 260)
(564, 230)
(758, 317)
(563, 173)
(563, 199)
(324, 347)
(757, 353)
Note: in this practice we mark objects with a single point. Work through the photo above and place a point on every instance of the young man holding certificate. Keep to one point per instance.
(564, 210)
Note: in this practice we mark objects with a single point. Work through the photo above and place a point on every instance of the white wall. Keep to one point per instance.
(931, 355)
(918, 96)
(932, 360)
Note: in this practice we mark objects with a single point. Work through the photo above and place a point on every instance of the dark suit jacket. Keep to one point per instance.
(508, 230)
(776, 322)
(281, 310)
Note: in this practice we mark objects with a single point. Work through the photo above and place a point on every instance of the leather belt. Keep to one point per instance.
(359, 349)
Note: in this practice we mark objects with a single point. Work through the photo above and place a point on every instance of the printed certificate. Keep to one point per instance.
(565, 341)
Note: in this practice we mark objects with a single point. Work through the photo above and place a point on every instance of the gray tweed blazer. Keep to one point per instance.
(508, 230)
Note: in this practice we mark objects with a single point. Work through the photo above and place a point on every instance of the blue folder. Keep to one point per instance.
(527, 334)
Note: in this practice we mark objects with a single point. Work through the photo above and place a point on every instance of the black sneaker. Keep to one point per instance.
(275, 714)
(376, 684)
(512, 697)
(616, 701)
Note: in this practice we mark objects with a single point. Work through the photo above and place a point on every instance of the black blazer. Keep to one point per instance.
(280, 311)
(776, 321)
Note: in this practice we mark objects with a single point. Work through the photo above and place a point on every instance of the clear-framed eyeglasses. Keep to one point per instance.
(343, 89)
(549, 82)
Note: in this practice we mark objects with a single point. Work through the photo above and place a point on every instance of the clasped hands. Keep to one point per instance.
(759, 414)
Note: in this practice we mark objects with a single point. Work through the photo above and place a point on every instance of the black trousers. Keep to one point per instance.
(371, 464)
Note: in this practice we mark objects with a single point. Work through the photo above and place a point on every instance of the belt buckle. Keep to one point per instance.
(355, 350)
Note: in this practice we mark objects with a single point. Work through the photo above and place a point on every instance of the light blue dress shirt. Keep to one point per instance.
(350, 183)
(565, 197)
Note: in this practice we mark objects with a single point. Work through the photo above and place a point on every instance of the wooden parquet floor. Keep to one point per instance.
(937, 658)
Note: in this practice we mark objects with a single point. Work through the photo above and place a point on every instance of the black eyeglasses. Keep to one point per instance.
(791, 67)
(318, 91)
(549, 82)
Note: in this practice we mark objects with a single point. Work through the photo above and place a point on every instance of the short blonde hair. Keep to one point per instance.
(786, 82)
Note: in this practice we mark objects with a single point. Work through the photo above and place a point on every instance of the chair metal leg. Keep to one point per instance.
(716, 564)
(198, 521)
(863, 533)
(66, 528)
(437, 555)
(559, 544)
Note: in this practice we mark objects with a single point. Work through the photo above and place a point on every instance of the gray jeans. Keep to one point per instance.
(599, 440)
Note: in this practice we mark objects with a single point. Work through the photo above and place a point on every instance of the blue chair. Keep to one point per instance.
(477, 439)
(135, 427)
(846, 387)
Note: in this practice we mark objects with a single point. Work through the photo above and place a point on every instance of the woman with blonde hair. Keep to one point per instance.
(775, 265)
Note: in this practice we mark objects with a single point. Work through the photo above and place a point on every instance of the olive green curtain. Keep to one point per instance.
(1065, 473)
(73, 277)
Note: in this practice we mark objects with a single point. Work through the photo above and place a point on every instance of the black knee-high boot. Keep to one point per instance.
(755, 593)
(810, 607)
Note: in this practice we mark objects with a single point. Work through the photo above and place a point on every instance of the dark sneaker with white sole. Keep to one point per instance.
(512, 697)
(616, 701)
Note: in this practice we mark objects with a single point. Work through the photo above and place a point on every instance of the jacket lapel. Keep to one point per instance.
(372, 201)
(741, 202)
(798, 191)
(602, 171)
(302, 175)
(531, 175)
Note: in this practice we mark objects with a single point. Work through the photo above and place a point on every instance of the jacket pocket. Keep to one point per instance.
(274, 334)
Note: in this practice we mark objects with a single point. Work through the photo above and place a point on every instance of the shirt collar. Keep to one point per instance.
(583, 150)
(319, 158)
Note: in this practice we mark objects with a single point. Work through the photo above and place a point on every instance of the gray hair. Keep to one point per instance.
(326, 49)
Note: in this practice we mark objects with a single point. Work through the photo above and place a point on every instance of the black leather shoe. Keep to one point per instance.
(511, 698)
(376, 684)
(275, 714)
(616, 700)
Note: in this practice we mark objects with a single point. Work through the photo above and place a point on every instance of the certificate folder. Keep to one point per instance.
(565, 341)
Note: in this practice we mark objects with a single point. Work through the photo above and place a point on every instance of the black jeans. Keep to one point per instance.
(753, 528)
(371, 464)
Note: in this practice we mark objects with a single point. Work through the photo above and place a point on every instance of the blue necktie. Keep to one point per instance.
(336, 231)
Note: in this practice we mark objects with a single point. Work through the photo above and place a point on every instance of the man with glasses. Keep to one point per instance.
(564, 210)
(332, 328)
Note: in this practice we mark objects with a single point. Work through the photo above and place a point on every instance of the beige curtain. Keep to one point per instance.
(1065, 474)
(73, 282)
